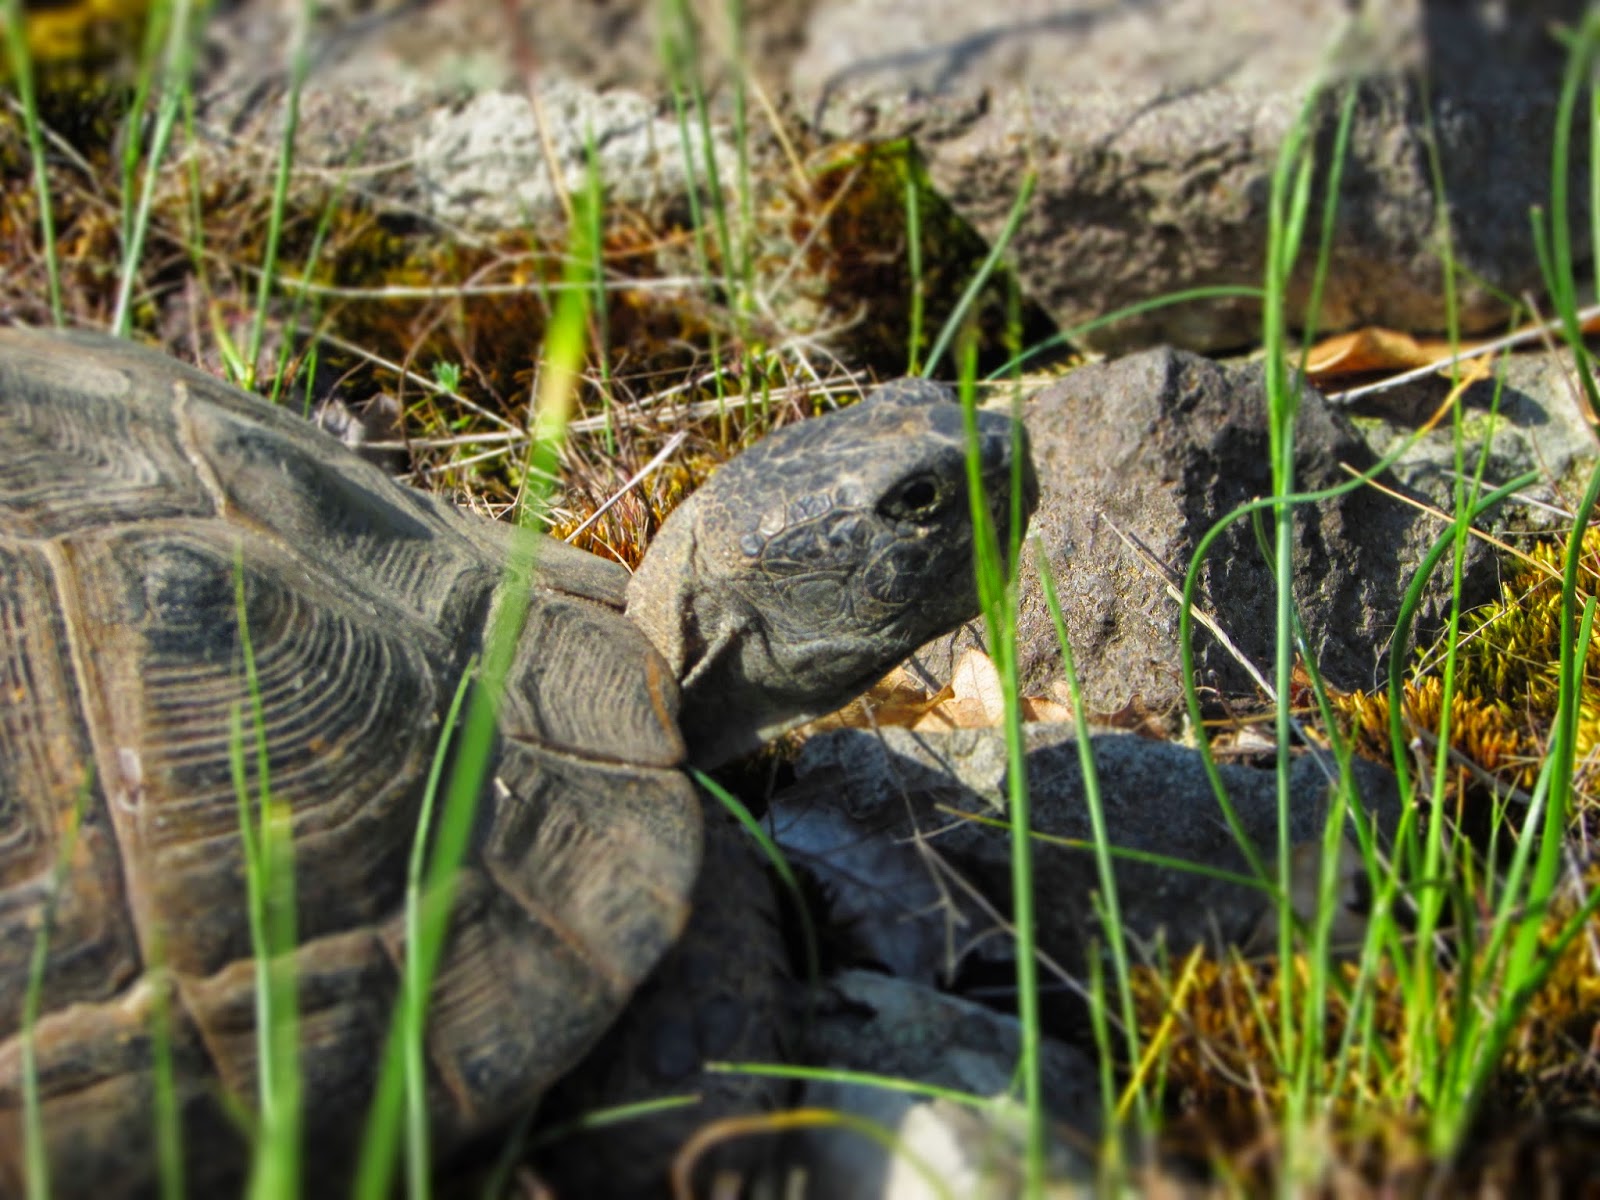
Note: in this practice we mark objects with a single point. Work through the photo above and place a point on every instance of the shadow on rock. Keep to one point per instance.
(925, 892)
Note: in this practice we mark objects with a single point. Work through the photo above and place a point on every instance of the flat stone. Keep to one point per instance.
(1538, 422)
(907, 1032)
(1155, 129)
(915, 790)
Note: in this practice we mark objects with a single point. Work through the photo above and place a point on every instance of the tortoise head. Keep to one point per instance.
(818, 559)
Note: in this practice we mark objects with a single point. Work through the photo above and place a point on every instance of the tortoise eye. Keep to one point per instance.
(915, 499)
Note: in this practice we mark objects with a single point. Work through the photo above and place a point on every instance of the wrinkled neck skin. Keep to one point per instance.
(736, 693)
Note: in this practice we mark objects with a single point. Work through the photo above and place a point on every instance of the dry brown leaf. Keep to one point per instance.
(977, 683)
(953, 714)
(1042, 708)
(1374, 349)
(897, 699)
(973, 699)
(1368, 349)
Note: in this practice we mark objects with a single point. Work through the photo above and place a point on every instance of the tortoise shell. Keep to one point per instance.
(150, 519)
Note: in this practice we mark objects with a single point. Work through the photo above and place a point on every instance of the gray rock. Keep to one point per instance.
(486, 163)
(1540, 426)
(910, 789)
(1161, 445)
(904, 1031)
(427, 111)
(884, 894)
(1155, 128)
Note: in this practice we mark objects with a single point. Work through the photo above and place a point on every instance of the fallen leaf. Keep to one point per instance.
(1374, 349)
(899, 698)
(976, 682)
(1369, 349)
(973, 699)
(954, 714)
(1042, 708)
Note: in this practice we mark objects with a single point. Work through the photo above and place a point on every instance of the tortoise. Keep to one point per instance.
(152, 518)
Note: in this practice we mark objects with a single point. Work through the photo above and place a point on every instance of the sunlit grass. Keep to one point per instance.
(175, 18)
(299, 57)
(560, 364)
(1457, 1012)
(35, 1159)
(997, 567)
(20, 62)
(266, 836)
(1118, 992)
(414, 980)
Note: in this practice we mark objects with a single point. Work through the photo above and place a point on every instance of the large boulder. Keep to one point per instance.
(1155, 129)
(1137, 459)
(940, 912)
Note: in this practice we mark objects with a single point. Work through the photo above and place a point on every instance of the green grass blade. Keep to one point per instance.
(914, 183)
(1125, 853)
(1561, 280)
(413, 987)
(1330, 212)
(991, 263)
(1287, 207)
(997, 584)
(299, 64)
(268, 846)
(780, 864)
(174, 76)
(565, 340)
(36, 1162)
(839, 1075)
(1068, 336)
(21, 65)
(678, 52)
(599, 304)
(1544, 826)
(1100, 831)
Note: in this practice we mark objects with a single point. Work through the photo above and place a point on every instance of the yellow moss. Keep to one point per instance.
(1216, 1033)
(1556, 1042)
(82, 31)
(1512, 648)
(1507, 675)
(1220, 1067)
(1481, 729)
